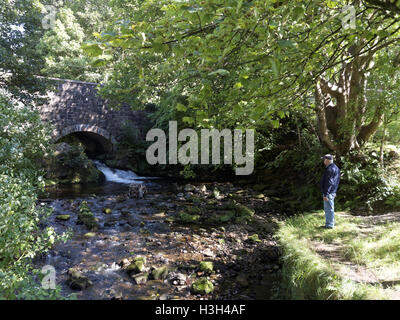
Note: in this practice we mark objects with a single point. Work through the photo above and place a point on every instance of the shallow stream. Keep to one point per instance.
(140, 227)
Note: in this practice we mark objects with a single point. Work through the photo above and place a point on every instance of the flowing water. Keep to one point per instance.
(137, 227)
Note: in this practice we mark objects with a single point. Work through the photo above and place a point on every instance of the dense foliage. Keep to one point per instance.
(23, 142)
(243, 63)
(20, 31)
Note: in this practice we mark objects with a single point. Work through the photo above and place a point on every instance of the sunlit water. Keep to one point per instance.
(115, 175)
(116, 182)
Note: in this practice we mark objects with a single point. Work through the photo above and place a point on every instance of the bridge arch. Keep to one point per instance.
(95, 139)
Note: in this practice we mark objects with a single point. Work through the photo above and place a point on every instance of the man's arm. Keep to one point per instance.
(332, 180)
(326, 183)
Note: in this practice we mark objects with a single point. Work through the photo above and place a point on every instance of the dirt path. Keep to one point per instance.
(333, 252)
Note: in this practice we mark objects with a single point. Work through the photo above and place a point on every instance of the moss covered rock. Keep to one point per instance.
(89, 235)
(192, 210)
(206, 266)
(243, 211)
(63, 217)
(86, 217)
(202, 286)
(137, 265)
(70, 165)
(160, 273)
(187, 218)
(254, 238)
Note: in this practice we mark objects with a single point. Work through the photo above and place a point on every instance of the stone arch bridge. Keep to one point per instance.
(76, 109)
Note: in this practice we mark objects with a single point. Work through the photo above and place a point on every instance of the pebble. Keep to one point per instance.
(208, 253)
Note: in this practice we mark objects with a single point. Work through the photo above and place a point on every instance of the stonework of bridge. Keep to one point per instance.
(76, 108)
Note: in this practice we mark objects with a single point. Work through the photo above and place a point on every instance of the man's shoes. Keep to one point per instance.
(325, 227)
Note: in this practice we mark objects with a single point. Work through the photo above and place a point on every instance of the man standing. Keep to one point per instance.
(329, 185)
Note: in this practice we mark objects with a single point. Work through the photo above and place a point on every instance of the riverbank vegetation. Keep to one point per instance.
(23, 142)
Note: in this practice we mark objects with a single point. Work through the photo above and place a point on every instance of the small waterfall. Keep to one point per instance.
(115, 175)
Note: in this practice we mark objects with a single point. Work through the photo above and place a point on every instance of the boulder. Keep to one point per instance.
(77, 281)
(124, 263)
(140, 278)
(189, 188)
(217, 194)
(137, 265)
(178, 279)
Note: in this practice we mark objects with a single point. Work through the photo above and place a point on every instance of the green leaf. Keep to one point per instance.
(239, 6)
(238, 85)
(298, 12)
(99, 63)
(281, 114)
(92, 50)
(274, 66)
(221, 72)
(285, 44)
(331, 4)
(181, 107)
(188, 120)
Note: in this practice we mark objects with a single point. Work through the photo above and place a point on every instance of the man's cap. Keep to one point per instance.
(327, 156)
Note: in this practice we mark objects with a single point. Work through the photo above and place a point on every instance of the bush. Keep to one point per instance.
(365, 186)
(23, 142)
(130, 151)
(297, 176)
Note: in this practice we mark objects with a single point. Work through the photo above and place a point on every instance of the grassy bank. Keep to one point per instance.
(359, 259)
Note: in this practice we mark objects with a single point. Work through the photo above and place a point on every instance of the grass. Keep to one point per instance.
(308, 274)
(378, 251)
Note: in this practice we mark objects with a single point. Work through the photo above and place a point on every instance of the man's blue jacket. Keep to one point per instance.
(330, 180)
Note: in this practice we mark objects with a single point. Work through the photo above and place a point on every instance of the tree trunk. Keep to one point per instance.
(382, 143)
(341, 106)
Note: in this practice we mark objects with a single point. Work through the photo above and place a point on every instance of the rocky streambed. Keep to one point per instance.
(204, 241)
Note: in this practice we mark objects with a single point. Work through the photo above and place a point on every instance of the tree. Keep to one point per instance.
(61, 48)
(61, 45)
(383, 91)
(20, 30)
(252, 62)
